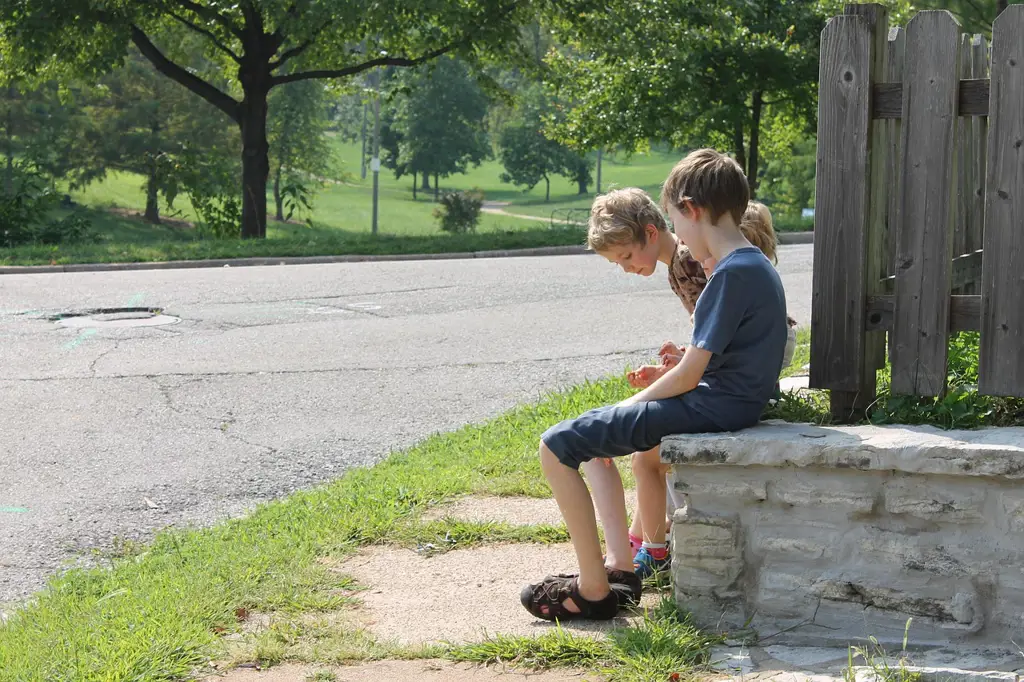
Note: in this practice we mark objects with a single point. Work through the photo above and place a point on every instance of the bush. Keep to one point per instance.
(25, 211)
(70, 229)
(459, 212)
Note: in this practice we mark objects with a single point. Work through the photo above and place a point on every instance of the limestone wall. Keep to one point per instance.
(828, 535)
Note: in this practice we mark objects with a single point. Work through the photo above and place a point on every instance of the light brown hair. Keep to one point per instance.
(757, 227)
(712, 181)
(620, 217)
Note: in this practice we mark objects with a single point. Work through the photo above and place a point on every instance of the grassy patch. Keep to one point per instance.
(163, 244)
(959, 407)
(664, 643)
(155, 615)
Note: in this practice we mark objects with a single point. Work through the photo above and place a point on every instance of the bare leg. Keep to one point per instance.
(577, 509)
(651, 490)
(637, 527)
(606, 485)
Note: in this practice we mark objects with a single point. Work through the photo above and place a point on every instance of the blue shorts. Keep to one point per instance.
(617, 431)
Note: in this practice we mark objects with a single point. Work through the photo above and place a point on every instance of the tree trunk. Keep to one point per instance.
(547, 189)
(437, 188)
(255, 162)
(278, 201)
(738, 146)
(414, 187)
(152, 214)
(755, 139)
(426, 182)
(581, 185)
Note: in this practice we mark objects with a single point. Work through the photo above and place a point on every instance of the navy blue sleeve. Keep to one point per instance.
(720, 308)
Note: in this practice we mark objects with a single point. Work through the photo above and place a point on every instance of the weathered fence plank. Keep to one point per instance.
(965, 152)
(894, 74)
(841, 206)
(1001, 368)
(972, 99)
(877, 17)
(979, 133)
(964, 313)
(927, 209)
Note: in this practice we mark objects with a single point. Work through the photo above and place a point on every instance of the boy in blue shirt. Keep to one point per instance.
(723, 382)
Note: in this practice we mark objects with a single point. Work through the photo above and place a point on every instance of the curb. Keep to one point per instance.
(796, 237)
(571, 250)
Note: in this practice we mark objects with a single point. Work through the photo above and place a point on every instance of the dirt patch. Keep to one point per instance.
(462, 595)
(421, 671)
(175, 223)
(515, 511)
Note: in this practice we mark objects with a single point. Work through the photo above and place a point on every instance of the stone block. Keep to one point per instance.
(782, 548)
(846, 493)
(723, 484)
(701, 540)
(916, 449)
(927, 498)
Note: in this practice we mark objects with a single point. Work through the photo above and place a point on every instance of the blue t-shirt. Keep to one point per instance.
(741, 318)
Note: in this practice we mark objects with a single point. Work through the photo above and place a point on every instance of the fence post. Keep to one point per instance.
(1001, 368)
(849, 230)
(931, 81)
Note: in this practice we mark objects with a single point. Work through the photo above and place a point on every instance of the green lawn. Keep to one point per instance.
(341, 219)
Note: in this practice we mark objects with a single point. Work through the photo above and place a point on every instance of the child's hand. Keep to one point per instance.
(669, 348)
(645, 376)
(668, 361)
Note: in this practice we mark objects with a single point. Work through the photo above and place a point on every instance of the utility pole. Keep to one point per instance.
(375, 161)
(600, 153)
(362, 157)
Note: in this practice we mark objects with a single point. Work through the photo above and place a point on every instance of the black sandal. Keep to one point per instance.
(544, 600)
(626, 585)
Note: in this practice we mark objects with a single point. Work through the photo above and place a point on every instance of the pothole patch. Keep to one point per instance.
(114, 318)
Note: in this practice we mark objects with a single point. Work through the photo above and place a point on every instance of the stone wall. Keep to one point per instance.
(830, 535)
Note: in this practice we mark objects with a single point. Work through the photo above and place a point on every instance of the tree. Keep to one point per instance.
(529, 156)
(43, 124)
(299, 151)
(694, 72)
(438, 125)
(146, 124)
(259, 45)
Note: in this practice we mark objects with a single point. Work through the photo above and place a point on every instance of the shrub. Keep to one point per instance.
(459, 212)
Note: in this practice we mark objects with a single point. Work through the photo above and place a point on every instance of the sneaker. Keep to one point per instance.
(645, 565)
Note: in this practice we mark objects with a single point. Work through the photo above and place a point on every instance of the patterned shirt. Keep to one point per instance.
(686, 277)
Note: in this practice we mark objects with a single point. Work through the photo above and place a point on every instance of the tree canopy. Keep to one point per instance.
(258, 45)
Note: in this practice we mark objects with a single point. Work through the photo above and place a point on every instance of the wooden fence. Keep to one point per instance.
(919, 223)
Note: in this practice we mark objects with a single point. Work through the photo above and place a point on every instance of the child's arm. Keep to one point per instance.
(680, 379)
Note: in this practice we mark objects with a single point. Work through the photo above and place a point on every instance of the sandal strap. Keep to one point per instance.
(553, 591)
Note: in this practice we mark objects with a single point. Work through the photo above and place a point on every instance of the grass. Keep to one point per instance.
(159, 611)
(124, 240)
(662, 646)
(959, 407)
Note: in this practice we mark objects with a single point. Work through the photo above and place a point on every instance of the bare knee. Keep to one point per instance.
(646, 463)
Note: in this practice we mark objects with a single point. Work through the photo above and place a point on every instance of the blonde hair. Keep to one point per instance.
(621, 217)
(710, 180)
(756, 226)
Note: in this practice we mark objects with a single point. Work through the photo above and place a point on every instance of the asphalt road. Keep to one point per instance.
(277, 378)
